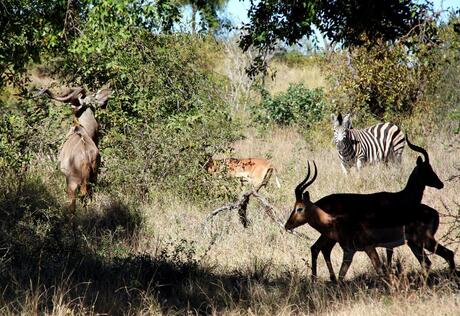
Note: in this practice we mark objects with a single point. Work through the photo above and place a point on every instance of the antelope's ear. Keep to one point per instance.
(76, 102)
(306, 196)
(419, 161)
(102, 97)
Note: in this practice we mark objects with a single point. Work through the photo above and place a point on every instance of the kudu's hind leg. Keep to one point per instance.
(390, 253)
(85, 187)
(72, 186)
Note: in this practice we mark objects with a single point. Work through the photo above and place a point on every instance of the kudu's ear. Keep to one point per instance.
(102, 97)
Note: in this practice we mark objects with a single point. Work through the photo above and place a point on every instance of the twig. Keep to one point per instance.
(242, 203)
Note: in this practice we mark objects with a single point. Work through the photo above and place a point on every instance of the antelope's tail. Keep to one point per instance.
(277, 180)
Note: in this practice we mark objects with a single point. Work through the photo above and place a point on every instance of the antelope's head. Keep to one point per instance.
(211, 166)
(341, 127)
(79, 99)
(424, 169)
(303, 204)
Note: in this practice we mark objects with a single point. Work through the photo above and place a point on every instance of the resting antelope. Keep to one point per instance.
(364, 221)
(79, 155)
(251, 170)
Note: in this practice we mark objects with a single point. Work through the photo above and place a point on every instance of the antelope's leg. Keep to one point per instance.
(72, 187)
(374, 256)
(324, 245)
(85, 175)
(421, 256)
(433, 246)
(346, 262)
(389, 256)
(327, 257)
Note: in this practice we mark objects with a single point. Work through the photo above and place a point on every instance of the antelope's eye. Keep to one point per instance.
(300, 209)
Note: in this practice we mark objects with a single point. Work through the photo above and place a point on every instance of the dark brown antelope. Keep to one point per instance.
(361, 222)
(419, 235)
(251, 170)
(79, 155)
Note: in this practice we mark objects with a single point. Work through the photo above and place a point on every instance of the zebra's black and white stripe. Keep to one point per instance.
(382, 142)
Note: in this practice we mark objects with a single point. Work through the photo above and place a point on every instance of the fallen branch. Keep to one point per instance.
(241, 206)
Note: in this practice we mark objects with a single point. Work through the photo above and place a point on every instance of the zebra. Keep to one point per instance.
(381, 142)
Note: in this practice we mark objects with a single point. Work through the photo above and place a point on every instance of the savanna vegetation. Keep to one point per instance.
(183, 92)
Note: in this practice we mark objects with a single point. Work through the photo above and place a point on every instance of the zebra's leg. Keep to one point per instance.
(344, 168)
(360, 163)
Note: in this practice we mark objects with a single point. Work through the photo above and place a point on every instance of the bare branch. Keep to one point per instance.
(241, 206)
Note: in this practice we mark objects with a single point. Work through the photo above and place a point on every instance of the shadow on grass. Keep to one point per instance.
(114, 216)
(40, 249)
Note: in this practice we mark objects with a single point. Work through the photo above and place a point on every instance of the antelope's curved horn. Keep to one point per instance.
(312, 179)
(418, 149)
(66, 98)
(299, 188)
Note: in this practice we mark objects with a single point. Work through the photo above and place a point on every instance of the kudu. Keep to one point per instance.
(365, 221)
(251, 170)
(79, 156)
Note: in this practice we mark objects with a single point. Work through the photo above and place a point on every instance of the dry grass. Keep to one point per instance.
(264, 254)
(309, 74)
(176, 263)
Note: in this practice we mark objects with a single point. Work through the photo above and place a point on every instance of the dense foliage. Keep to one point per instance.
(297, 105)
(350, 22)
(392, 80)
(29, 28)
(166, 116)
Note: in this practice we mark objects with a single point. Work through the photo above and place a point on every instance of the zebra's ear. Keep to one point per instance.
(336, 120)
(347, 121)
(333, 118)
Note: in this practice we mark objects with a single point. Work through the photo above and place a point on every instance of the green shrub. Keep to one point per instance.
(297, 105)
(166, 117)
(394, 80)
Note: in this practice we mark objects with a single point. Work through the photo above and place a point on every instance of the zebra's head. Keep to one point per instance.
(341, 127)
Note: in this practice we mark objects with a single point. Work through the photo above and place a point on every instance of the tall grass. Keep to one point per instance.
(170, 261)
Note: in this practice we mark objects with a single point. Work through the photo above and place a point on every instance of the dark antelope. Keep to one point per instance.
(79, 155)
(251, 170)
(361, 222)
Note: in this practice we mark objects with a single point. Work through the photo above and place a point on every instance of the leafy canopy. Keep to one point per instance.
(350, 22)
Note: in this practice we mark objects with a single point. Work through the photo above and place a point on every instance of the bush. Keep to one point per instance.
(393, 80)
(297, 105)
(166, 117)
